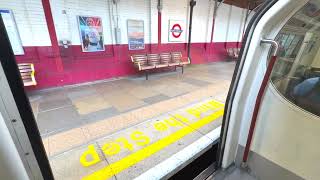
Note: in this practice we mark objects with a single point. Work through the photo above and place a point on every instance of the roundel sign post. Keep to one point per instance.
(176, 31)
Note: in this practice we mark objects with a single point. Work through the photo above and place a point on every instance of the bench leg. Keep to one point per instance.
(182, 69)
(175, 68)
(146, 75)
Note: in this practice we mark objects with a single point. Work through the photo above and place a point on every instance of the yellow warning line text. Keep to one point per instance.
(146, 152)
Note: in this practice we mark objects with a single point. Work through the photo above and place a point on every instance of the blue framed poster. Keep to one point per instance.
(135, 34)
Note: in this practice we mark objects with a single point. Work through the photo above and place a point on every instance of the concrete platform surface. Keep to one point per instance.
(123, 127)
(128, 153)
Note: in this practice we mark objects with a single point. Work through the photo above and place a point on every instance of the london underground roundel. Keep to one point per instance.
(176, 31)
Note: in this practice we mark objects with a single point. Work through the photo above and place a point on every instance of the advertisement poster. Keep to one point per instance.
(177, 31)
(91, 33)
(12, 31)
(135, 34)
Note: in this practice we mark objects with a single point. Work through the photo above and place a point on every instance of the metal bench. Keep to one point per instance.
(146, 62)
(165, 59)
(27, 74)
(178, 60)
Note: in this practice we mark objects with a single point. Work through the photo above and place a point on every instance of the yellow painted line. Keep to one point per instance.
(144, 153)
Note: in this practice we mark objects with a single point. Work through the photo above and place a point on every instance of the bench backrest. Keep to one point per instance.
(141, 58)
(27, 73)
(237, 51)
(230, 52)
(153, 59)
(176, 56)
(165, 58)
(233, 52)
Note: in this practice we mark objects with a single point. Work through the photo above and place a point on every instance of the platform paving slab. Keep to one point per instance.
(58, 119)
(160, 135)
(156, 98)
(67, 166)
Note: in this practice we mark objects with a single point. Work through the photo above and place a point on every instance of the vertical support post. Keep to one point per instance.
(192, 4)
(52, 34)
(215, 9)
(228, 27)
(146, 74)
(244, 23)
(159, 21)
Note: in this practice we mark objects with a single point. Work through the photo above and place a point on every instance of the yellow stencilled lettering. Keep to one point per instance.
(194, 111)
(136, 157)
(173, 122)
(91, 154)
(215, 104)
(210, 105)
(181, 118)
(203, 108)
(110, 149)
(125, 143)
(160, 126)
(140, 138)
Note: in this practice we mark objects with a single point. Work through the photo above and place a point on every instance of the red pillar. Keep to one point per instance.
(52, 34)
(159, 28)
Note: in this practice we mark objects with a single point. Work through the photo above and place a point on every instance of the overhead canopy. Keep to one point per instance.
(251, 4)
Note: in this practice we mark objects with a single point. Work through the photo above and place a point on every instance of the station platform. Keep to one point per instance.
(125, 128)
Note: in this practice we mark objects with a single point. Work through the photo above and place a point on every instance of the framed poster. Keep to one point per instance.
(91, 33)
(135, 34)
(177, 31)
(12, 31)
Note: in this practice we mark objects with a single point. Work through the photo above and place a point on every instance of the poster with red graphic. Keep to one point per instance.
(91, 33)
(177, 31)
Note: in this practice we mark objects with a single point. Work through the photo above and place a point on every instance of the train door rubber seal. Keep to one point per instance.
(236, 76)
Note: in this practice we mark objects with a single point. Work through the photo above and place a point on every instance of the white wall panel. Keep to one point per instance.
(235, 23)
(202, 21)
(228, 23)
(33, 29)
(176, 10)
(221, 23)
(30, 20)
(138, 10)
(66, 24)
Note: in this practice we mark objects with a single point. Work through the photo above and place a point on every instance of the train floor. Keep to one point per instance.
(231, 173)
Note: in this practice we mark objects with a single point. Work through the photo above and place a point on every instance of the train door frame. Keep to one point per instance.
(18, 114)
(35, 149)
(265, 24)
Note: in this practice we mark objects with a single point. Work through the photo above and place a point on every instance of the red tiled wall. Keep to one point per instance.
(79, 67)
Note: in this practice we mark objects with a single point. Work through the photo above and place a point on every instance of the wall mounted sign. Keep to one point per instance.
(12, 31)
(177, 31)
(91, 33)
(135, 34)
